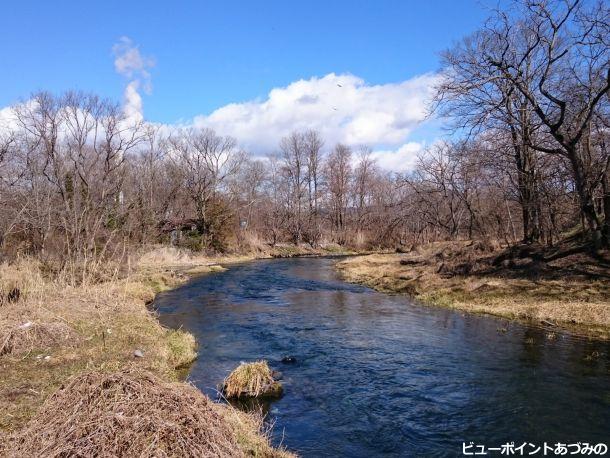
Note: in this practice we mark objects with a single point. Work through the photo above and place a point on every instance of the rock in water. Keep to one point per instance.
(277, 375)
(289, 360)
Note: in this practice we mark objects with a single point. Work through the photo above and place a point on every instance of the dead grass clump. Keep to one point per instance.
(251, 432)
(147, 283)
(182, 348)
(252, 243)
(252, 380)
(127, 413)
(19, 279)
(165, 256)
(29, 336)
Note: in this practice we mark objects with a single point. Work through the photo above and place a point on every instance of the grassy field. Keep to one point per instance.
(563, 287)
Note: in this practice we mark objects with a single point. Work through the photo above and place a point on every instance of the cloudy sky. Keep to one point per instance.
(359, 72)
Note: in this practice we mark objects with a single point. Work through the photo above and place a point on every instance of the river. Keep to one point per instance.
(377, 374)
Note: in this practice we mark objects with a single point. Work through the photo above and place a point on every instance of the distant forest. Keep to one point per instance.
(526, 98)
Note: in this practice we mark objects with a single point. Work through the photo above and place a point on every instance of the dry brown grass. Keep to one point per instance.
(20, 279)
(132, 413)
(27, 337)
(251, 380)
(428, 273)
(74, 331)
(48, 337)
(252, 433)
(188, 262)
(171, 257)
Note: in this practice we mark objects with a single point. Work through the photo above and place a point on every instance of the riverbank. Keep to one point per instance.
(563, 288)
(59, 344)
(184, 262)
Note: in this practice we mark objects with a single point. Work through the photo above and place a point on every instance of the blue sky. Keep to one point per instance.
(209, 54)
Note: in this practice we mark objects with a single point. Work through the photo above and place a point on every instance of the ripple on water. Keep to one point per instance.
(376, 374)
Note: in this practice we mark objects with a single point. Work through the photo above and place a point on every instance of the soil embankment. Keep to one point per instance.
(566, 286)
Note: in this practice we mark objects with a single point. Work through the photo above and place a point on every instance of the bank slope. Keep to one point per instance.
(568, 289)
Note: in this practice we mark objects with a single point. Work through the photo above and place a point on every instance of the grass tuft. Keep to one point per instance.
(252, 380)
(182, 348)
(28, 337)
(19, 280)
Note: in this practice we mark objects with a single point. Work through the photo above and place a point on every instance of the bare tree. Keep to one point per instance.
(74, 153)
(205, 162)
(295, 158)
(276, 211)
(562, 48)
(473, 95)
(338, 177)
(313, 144)
(365, 175)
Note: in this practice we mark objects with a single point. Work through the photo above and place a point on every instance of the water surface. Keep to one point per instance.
(379, 375)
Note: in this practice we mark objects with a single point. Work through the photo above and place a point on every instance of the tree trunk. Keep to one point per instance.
(528, 193)
(587, 204)
(606, 203)
(525, 158)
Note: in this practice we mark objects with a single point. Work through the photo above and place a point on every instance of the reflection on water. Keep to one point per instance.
(377, 375)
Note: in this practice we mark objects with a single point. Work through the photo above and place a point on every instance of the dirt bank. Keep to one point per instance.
(565, 286)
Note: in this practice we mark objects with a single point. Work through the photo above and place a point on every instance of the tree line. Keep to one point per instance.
(81, 183)
(526, 97)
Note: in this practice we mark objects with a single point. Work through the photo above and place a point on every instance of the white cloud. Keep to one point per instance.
(7, 119)
(128, 60)
(399, 160)
(133, 101)
(343, 108)
(130, 63)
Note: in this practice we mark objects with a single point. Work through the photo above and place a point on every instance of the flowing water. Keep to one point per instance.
(376, 374)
